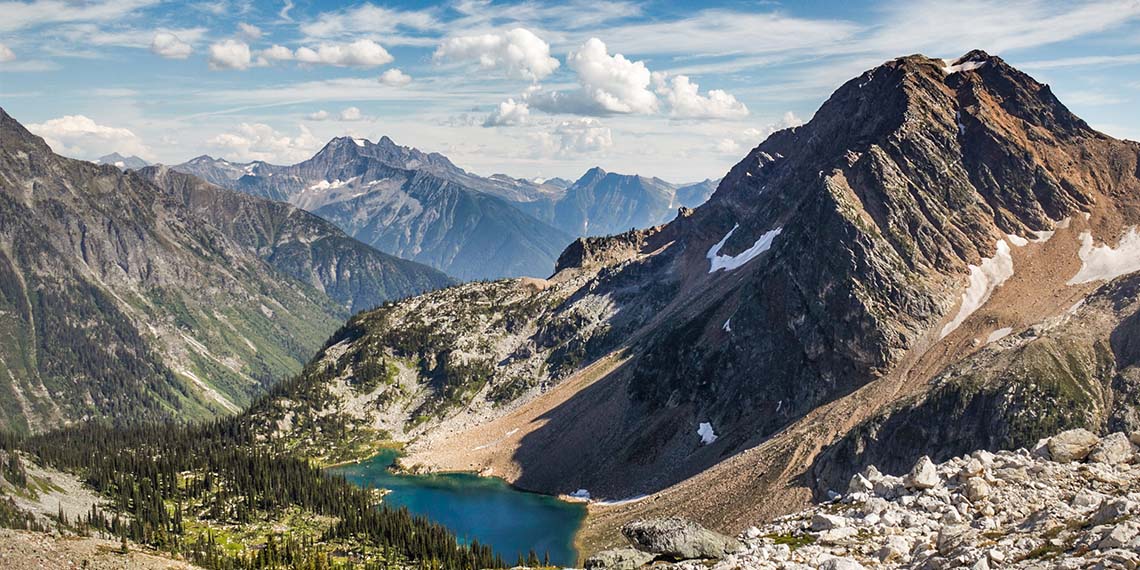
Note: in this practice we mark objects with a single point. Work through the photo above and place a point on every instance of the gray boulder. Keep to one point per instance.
(1072, 445)
(679, 539)
(840, 564)
(1113, 449)
(924, 475)
(619, 559)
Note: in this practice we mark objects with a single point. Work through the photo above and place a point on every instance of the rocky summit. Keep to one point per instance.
(1039, 508)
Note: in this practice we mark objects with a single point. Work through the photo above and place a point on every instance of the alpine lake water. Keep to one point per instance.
(474, 507)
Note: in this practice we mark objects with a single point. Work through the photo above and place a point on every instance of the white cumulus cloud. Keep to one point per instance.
(6, 53)
(249, 31)
(230, 54)
(609, 84)
(517, 53)
(276, 53)
(360, 53)
(508, 113)
(395, 78)
(257, 141)
(320, 115)
(351, 114)
(685, 101)
(170, 46)
(81, 136)
(576, 136)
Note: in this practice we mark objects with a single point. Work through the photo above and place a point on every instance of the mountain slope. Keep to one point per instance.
(406, 203)
(300, 244)
(121, 302)
(604, 203)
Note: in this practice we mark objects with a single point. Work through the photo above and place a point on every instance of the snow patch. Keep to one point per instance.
(730, 262)
(705, 430)
(617, 502)
(727, 325)
(581, 494)
(998, 334)
(1103, 263)
(984, 278)
(959, 65)
(326, 185)
(360, 142)
(961, 127)
(1017, 240)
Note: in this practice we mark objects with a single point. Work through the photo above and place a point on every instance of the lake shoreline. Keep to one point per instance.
(485, 507)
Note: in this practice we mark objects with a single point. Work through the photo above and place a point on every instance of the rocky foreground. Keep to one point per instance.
(1071, 502)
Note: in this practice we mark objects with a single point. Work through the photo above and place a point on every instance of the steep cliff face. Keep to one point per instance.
(126, 302)
(837, 269)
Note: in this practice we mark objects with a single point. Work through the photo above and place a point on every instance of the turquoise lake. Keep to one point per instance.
(484, 508)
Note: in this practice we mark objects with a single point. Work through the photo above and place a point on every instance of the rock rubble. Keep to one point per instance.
(1073, 502)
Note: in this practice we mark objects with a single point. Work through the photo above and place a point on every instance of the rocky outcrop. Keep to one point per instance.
(679, 539)
(619, 559)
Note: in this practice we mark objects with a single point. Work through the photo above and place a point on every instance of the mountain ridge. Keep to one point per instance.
(838, 268)
(123, 304)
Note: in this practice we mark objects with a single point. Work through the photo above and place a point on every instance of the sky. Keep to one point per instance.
(678, 90)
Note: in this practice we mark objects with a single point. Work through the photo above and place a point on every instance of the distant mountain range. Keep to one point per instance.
(122, 162)
(423, 207)
(605, 203)
(154, 295)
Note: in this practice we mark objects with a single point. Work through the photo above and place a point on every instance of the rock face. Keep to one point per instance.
(679, 539)
(121, 301)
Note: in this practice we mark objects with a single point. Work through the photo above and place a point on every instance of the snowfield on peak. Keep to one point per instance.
(984, 278)
(1103, 262)
(958, 65)
(730, 262)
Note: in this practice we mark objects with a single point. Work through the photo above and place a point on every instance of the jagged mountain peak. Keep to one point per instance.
(14, 135)
(122, 162)
(593, 174)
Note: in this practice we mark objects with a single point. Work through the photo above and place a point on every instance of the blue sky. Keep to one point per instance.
(672, 89)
